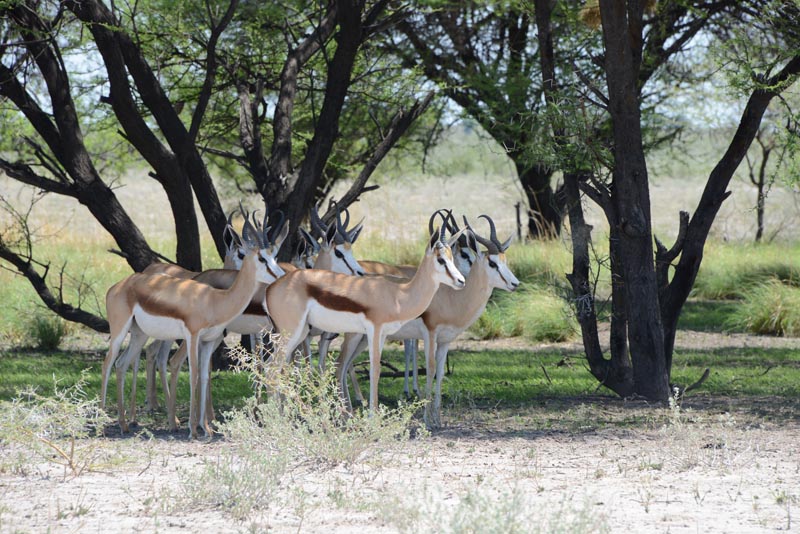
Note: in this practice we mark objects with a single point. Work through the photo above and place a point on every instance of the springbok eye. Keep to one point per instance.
(441, 261)
(241, 255)
(262, 259)
(492, 264)
(338, 253)
(466, 257)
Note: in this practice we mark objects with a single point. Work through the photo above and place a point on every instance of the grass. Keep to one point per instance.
(730, 270)
(496, 378)
(771, 307)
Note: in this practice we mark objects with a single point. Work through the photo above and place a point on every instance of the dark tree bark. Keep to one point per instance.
(75, 174)
(113, 42)
(630, 197)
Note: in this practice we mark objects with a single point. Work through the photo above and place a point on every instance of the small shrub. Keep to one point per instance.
(54, 428)
(771, 308)
(306, 426)
(47, 332)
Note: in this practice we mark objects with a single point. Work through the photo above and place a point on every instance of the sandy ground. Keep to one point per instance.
(587, 464)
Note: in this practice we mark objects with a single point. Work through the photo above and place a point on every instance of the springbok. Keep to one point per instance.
(167, 308)
(373, 306)
(449, 314)
(463, 258)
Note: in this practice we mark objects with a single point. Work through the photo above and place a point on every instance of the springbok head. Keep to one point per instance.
(336, 252)
(307, 250)
(440, 253)
(464, 255)
(494, 258)
(255, 237)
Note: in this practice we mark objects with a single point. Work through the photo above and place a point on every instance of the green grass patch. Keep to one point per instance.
(772, 308)
(534, 312)
(729, 271)
(709, 316)
(484, 380)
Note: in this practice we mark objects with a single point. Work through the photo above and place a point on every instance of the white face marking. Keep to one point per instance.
(500, 276)
(464, 259)
(344, 262)
(446, 272)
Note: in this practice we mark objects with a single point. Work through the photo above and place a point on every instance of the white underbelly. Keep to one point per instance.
(392, 329)
(158, 327)
(335, 321)
(249, 324)
(446, 334)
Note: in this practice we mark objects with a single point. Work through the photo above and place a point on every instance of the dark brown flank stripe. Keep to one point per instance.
(255, 308)
(333, 301)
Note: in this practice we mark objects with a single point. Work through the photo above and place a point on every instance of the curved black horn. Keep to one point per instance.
(341, 229)
(277, 227)
(463, 242)
(448, 213)
(492, 230)
(317, 224)
(491, 247)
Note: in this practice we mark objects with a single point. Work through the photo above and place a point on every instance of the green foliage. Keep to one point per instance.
(47, 331)
(771, 308)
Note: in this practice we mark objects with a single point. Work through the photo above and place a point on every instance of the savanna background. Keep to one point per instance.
(531, 441)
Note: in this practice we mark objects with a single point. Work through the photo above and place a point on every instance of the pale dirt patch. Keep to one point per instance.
(715, 476)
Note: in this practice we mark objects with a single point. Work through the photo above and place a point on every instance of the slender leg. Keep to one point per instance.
(429, 343)
(376, 339)
(161, 362)
(205, 349)
(352, 346)
(407, 354)
(441, 359)
(194, 383)
(151, 359)
(415, 365)
(175, 364)
(137, 341)
(111, 358)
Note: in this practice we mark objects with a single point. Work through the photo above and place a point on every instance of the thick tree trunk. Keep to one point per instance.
(544, 218)
(631, 199)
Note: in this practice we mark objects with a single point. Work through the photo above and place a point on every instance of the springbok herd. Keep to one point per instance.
(324, 291)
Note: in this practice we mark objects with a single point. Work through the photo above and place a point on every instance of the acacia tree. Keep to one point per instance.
(646, 301)
(162, 93)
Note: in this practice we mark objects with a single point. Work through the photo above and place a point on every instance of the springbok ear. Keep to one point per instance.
(281, 237)
(355, 232)
(454, 238)
(330, 235)
(471, 242)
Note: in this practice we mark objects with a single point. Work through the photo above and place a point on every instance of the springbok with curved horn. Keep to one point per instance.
(449, 314)
(157, 353)
(373, 306)
(165, 307)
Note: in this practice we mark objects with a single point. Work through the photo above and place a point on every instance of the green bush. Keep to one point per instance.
(772, 307)
(47, 332)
